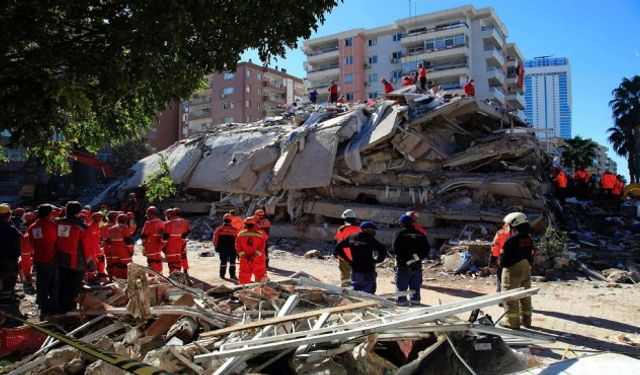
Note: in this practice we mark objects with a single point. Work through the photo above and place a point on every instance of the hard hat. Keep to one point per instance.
(30, 217)
(177, 211)
(250, 221)
(406, 219)
(18, 212)
(87, 207)
(97, 217)
(227, 217)
(412, 214)
(112, 215)
(83, 213)
(515, 219)
(368, 225)
(122, 218)
(152, 211)
(132, 195)
(349, 214)
(5, 209)
(130, 215)
(259, 212)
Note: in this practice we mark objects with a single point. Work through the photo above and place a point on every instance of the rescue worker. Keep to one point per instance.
(174, 234)
(121, 246)
(236, 220)
(496, 249)
(108, 254)
(98, 220)
(26, 254)
(152, 239)
(265, 225)
(607, 182)
(414, 216)
(9, 255)
(516, 261)
(581, 178)
(349, 227)
(72, 256)
(560, 180)
(184, 260)
(132, 204)
(366, 251)
(42, 235)
(618, 187)
(16, 219)
(249, 245)
(410, 247)
(224, 241)
(93, 241)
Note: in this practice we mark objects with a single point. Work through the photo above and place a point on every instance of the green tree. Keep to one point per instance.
(159, 186)
(625, 134)
(577, 151)
(93, 73)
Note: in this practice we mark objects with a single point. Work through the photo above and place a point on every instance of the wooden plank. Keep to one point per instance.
(288, 318)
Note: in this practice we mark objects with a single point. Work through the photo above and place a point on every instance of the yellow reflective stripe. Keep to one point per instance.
(250, 234)
(526, 313)
(513, 315)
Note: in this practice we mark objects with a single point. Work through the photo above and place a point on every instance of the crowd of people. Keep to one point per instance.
(587, 186)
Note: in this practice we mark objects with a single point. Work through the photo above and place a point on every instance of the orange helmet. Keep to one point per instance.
(111, 216)
(227, 217)
(259, 213)
(169, 212)
(97, 217)
(130, 215)
(152, 211)
(250, 221)
(122, 219)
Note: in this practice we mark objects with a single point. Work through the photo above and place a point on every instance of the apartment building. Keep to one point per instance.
(602, 162)
(548, 96)
(455, 45)
(242, 96)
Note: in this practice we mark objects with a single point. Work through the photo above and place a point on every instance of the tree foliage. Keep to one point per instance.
(159, 186)
(93, 73)
(624, 136)
(577, 151)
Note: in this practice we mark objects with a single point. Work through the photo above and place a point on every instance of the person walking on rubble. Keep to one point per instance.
(106, 247)
(333, 92)
(388, 88)
(349, 227)
(618, 187)
(607, 182)
(469, 88)
(410, 247)
(249, 246)
(496, 249)
(184, 260)
(313, 96)
(42, 235)
(265, 225)
(581, 179)
(422, 76)
(121, 246)
(93, 239)
(560, 180)
(366, 252)
(9, 255)
(26, 254)
(224, 242)
(152, 239)
(516, 261)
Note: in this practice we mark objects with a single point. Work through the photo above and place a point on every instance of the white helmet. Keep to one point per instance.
(349, 214)
(515, 219)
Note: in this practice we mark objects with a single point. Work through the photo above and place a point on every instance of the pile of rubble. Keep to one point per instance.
(296, 325)
(455, 161)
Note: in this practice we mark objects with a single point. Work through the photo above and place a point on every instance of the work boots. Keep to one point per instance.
(232, 272)
(526, 321)
(223, 270)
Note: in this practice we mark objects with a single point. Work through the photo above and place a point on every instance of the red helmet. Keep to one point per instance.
(30, 217)
(412, 214)
(97, 217)
(250, 220)
(177, 211)
(169, 212)
(227, 217)
(152, 211)
(83, 213)
(122, 219)
(18, 212)
(111, 216)
(259, 212)
(130, 215)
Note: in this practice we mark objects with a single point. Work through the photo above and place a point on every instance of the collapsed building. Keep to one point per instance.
(455, 160)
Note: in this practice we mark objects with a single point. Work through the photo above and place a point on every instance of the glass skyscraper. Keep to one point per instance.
(547, 84)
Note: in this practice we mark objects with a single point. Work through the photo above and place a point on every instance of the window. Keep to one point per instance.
(247, 103)
(226, 120)
(348, 78)
(373, 77)
(348, 42)
(248, 88)
(349, 97)
(248, 118)
(348, 60)
(259, 76)
(373, 42)
(228, 105)
(228, 76)
(396, 55)
(259, 91)
(248, 73)
(259, 105)
(397, 37)
(373, 95)
(373, 59)
(396, 74)
(227, 91)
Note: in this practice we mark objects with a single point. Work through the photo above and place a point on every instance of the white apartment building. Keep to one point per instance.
(455, 45)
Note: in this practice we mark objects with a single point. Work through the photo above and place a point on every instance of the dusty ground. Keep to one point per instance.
(585, 316)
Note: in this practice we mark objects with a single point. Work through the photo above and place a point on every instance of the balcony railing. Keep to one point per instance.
(497, 71)
(326, 67)
(451, 86)
(322, 85)
(321, 51)
(435, 29)
(498, 91)
(418, 51)
(440, 67)
(199, 115)
(496, 49)
(497, 29)
(199, 100)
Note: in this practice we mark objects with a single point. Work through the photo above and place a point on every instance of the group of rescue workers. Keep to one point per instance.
(584, 185)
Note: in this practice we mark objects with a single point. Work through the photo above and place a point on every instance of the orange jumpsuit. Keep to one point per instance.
(250, 246)
(175, 232)
(237, 222)
(121, 246)
(26, 256)
(152, 241)
(92, 238)
(183, 253)
(108, 262)
(618, 187)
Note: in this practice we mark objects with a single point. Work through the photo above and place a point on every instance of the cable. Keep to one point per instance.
(455, 351)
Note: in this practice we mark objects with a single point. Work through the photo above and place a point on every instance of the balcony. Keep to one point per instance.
(493, 32)
(498, 94)
(515, 100)
(423, 34)
(512, 82)
(314, 85)
(450, 52)
(455, 69)
(495, 55)
(322, 54)
(326, 72)
(273, 86)
(199, 100)
(199, 115)
(495, 76)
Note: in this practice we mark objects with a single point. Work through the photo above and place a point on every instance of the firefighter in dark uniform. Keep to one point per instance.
(410, 247)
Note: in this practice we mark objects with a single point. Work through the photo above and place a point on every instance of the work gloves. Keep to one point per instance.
(415, 259)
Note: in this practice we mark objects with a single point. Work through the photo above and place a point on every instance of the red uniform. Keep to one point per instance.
(175, 232)
(121, 248)
(582, 176)
(93, 243)
(345, 231)
(387, 87)
(26, 256)
(607, 180)
(152, 241)
(250, 246)
(618, 187)
(469, 89)
(42, 236)
(561, 180)
(72, 258)
(498, 241)
(237, 222)
(184, 260)
(106, 249)
(224, 240)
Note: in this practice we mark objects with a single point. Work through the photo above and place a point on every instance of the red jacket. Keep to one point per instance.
(93, 239)
(224, 238)
(71, 244)
(422, 73)
(469, 89)
(608, 180)
(498, 241)
(42, 235)
(618, 187)
(175, 231)
(250, 241)
(345, 231)
(152, 236)
(561, 180)
(582, 176)
(387, 88)
(118, 239)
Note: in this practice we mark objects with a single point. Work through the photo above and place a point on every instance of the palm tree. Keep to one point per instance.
(625, 134)
(577, 151)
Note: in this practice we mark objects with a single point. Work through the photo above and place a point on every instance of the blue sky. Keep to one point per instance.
(600, 38)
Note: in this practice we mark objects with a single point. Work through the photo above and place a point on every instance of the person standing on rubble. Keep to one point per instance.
(42, 235)
(422, 76)
(108, 254)
(560, 181)
(388, 88)
(407, 81)
(152, 239)
(469, 88)
(236, 220)
(26, 254)
(9, 255)
(72, 256)
(313, 96)
(121, 246)
(618, 188)
(496, 249)
(516, 261)
(607, 182)
(249, 245)
(581, 178)
(265, 225)
(366, 252)
(333, 92)
(93, 242)
(224, 242)
(410, 247)
(175, 233)
(184, 260)
(349, 227)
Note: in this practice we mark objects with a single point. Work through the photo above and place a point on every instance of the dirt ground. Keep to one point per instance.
(585, 316)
